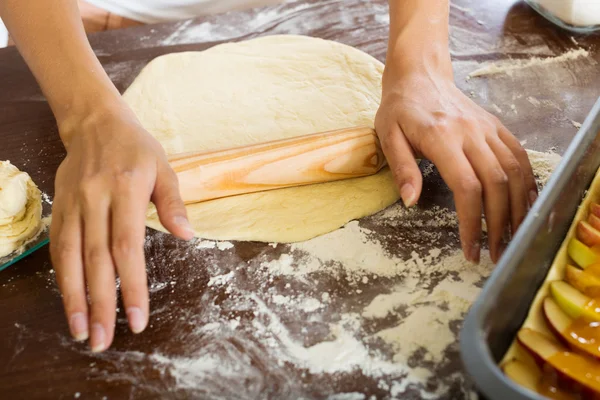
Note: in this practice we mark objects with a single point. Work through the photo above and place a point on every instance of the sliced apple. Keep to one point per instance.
(584, 281)
(595, 209)
(593, 270)
(528, 376)
(594, 221)
(531, 377)
(574, 303)
(587, 234)
(579, 368)
(562, 324)
(582, 254)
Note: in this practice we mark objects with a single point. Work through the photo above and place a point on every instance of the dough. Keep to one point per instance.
(20, 208)
(255, 91)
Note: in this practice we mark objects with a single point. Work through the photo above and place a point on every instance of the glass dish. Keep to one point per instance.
(579, 16)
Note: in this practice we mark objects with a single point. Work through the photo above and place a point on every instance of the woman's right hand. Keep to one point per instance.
(112, 170)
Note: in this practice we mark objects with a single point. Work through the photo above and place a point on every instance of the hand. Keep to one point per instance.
(112, 170)
(424, 114)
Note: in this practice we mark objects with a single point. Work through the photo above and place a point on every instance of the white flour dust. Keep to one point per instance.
(511, 66)
(287, 18)
(380, 301)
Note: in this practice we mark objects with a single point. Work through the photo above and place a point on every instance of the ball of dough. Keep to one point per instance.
(20, 208)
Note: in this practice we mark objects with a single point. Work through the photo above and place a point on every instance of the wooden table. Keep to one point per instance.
(214, 309)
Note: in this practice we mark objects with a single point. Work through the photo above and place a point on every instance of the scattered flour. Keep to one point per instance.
(512, 66)
(206, 244)
(46, 198)
(224, 245)
(543, 165)
(209, 244)
(344, 305)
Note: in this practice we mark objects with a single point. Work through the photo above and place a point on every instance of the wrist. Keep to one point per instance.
(84, 116)
(433, 59)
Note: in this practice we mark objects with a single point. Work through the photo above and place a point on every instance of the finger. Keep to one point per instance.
(495, 193)
(457, 172)
(99, 267)
(170, 207)
(401, 159)
(518, 193)
(65, 252)
(127, 245)
(519, 152)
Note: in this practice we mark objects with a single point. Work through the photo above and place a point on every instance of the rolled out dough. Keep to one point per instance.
(260, 90)
(20, 208)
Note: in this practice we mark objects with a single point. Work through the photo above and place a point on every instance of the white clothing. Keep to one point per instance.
(154, 11)
(3, 35)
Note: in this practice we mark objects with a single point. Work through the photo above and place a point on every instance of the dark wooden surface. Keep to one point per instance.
(37, 358)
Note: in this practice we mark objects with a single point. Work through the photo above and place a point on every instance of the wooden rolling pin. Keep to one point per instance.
(304, 160)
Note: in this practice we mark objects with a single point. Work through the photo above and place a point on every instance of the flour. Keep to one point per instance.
(256, 20)
(347, 396)
(543, 165)
(367, 303)
(224, 245)
(512, 66)
(533, 101)
(206, 244)
(46, 199)
(220, 279)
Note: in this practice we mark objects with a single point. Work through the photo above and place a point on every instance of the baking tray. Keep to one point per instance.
(504, 302)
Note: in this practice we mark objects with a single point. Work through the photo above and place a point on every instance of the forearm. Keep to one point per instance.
(419, 36)
(51, 38)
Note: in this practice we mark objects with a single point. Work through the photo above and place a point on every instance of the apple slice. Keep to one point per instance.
(528, 376)
(582, 254)
(584, 281)
(594, 221)
(587, 234)
(572, 365)
(577, 333)
(595, 209)
(574, 303)
(531, 377)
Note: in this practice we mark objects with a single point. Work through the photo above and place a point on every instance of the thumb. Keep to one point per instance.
(170, 207)
(401, 159)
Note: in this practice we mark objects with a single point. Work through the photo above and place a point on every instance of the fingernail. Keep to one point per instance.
(79, 326)
(408, 194)
(137, 322)
(532, 196)
(474, 253)
(185, 224)
(98, 338)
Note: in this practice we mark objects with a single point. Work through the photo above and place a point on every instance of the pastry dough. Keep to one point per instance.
(255, 91)
(20, 208)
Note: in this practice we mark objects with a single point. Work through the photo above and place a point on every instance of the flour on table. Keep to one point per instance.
(206, 244)
(366, 302)
(509, 67)
(543, 164)
(224, 245)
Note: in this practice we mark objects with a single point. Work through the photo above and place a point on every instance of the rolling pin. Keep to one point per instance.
(316, 158)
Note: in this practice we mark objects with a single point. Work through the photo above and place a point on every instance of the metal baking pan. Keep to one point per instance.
(504, 302)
